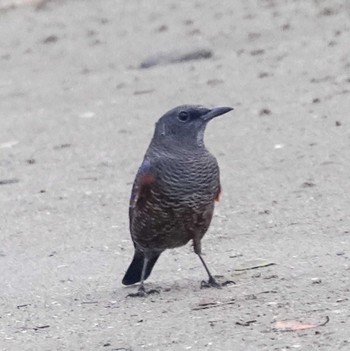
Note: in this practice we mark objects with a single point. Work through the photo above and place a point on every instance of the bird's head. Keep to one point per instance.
(185, 125)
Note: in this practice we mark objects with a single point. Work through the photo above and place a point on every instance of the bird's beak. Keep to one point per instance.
(215, 112)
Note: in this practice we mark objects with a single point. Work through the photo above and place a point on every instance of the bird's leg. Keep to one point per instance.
(211, 282)
(141, 292)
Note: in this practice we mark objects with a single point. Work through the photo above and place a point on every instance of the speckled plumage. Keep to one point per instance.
(174, 191)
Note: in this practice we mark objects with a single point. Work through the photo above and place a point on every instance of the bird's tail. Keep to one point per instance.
(133, 274)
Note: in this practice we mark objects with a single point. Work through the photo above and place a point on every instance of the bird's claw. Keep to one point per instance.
(228, 282)
(143, 293)
(212, 283)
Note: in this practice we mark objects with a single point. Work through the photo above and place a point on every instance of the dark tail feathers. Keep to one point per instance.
(133, 274)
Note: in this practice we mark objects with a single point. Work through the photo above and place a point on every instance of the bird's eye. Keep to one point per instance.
(183, 116)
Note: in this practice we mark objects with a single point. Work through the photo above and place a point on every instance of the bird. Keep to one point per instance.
(174, 191)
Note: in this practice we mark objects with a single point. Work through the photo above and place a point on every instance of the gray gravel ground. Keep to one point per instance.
(76, 116)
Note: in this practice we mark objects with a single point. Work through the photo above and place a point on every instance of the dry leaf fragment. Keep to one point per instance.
(253, 264)
(246, 324)
(291, 325)
(177, 56)
(8, 181)
(206, 305)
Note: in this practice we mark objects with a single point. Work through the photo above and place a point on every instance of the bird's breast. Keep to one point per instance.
(187, 182)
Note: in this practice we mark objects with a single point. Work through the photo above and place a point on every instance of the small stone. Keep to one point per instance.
(50, 39)
(264, 112)
(327, 11)
(257, 52)
(308, 185)
(264, 75)
(162, 28)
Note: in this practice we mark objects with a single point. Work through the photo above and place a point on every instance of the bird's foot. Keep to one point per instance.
(212, 283)
(143, 293)
(228, 282)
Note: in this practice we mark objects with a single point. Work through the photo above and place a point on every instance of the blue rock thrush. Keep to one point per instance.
(173, 195)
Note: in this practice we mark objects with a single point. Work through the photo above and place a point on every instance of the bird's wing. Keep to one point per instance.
(143, 180)
(218, 194)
